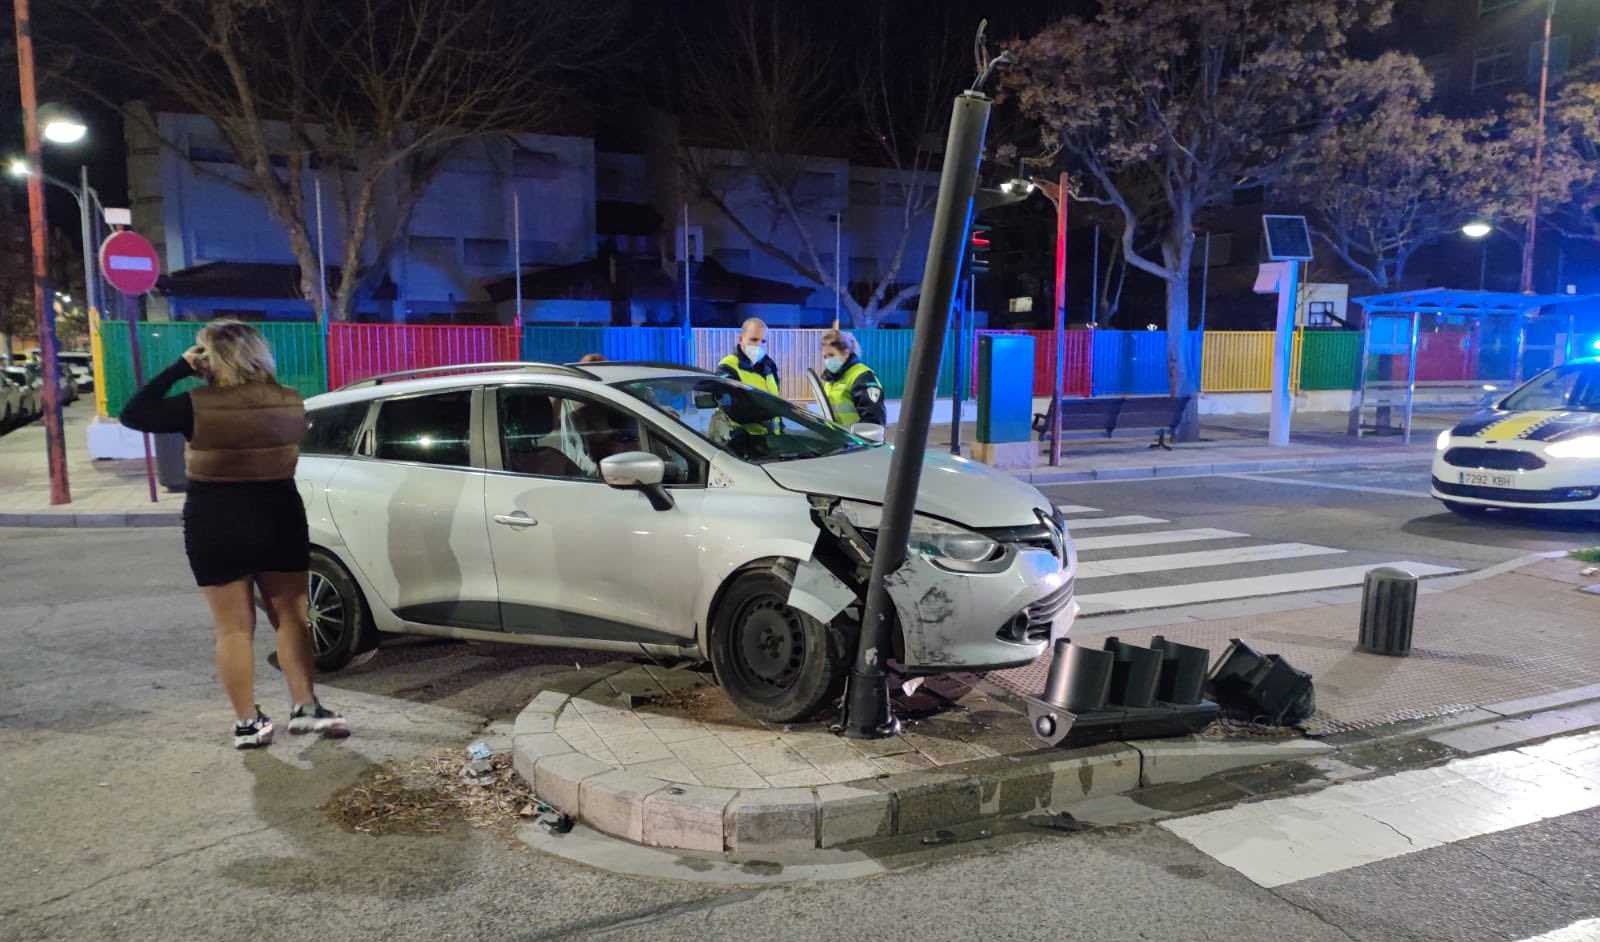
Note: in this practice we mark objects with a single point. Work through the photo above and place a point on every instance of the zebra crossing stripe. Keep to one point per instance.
(1100, 523)
(1076, 509)
(1223, 557)
(1130, 600)
(1122, 540)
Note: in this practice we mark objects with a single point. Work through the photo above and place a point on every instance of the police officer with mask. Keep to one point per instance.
(750, 365)
(852, 388)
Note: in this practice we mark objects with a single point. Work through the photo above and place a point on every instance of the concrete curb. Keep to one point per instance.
(92, 520)
(1140, 472)
(659, 813)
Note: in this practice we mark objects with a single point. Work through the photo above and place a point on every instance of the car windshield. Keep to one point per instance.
(744, 422)
(1573, 387)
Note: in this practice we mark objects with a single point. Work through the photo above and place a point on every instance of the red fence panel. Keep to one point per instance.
(1080, 358)
(357, 351)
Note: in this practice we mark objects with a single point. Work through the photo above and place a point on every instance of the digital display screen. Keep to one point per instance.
(1288, 238)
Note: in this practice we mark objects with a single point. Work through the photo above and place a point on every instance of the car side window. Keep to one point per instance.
(679, 469)
(552, 435)
(433, 429)
(332, 430)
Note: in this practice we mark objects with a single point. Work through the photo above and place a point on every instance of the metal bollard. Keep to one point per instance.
(1388, 611)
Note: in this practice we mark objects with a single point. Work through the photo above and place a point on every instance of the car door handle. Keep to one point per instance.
(515, 519)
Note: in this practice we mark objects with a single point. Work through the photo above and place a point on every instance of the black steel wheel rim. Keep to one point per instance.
(769, 645)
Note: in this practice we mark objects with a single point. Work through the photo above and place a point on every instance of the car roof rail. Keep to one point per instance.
(500, 366)
(657, 364)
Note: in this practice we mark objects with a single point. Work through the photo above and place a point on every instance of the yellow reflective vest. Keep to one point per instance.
(734, 366)
(841, 392)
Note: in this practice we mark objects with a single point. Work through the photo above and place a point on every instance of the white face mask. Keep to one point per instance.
(753, 352)
(833, 363)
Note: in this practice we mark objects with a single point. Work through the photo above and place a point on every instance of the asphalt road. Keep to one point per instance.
(124, 814)
(1283, 532)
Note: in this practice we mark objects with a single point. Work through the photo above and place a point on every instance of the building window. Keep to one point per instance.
(538, 251)
(1486, 7)
(437, 249)
(1493, 65)
(1560, 46)
(863, 193)
(493, 254)
(535, 164)
(608, 182)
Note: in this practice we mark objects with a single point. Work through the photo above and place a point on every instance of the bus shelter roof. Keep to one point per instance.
(1462, 302)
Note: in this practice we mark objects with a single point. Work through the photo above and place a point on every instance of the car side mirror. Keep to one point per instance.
(871, 431)
(638, 471)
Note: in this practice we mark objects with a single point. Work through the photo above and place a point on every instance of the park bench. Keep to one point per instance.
(1107, 414)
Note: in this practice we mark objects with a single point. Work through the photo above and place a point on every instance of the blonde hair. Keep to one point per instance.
(237, 353)
(841, 340)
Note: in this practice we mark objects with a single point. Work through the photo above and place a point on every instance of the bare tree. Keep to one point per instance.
(1196, 96)
(773, 90)
(1381, 188)
(373, 96)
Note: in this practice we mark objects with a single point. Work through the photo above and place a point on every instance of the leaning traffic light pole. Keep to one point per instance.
(868, 714)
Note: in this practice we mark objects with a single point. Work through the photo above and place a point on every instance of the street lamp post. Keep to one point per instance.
(44, 311)
(1538, 155)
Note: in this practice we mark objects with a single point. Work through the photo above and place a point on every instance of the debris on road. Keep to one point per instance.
(432, 794)
(1060, 821)
(479, 750)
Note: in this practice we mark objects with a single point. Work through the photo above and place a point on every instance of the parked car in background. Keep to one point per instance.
(11, 403)
(81, 365)
(30, 404)
(64, 381)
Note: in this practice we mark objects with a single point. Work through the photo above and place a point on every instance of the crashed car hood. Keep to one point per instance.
(957, 489)
(1494, 425)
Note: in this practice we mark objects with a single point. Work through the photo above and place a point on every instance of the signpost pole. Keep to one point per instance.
(1283, 356)
(131, 266)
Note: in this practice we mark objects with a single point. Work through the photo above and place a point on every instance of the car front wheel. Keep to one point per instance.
(776, 663)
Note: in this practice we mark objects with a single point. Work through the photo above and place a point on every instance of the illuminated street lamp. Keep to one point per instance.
(1476, 229)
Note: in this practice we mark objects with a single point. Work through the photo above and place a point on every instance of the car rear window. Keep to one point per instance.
(332, 430)
(430, 429)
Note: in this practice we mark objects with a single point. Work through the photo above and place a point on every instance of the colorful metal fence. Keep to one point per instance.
(1100, 362)
(357, 351)
(297, 348)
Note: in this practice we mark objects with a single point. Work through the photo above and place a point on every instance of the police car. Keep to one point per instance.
(1538, 448)
(663, 510)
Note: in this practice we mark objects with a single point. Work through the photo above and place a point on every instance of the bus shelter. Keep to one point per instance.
(1487, 342)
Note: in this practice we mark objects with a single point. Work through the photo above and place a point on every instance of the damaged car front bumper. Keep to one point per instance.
(992, 606)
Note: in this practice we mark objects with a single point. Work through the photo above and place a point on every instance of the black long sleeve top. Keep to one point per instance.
(152, 410)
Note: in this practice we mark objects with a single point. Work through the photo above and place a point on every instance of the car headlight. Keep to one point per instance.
(1584, 446)
(929, 536)
(1443, 441)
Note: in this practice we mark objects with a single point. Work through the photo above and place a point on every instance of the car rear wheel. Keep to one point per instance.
(776, 663)
(1464, 510)
(340, 624)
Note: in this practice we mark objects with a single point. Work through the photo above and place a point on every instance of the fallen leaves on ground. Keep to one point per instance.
(428, 795)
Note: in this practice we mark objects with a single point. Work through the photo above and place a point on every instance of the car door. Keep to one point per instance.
(575, 558)
(819, 392)
(409, 508)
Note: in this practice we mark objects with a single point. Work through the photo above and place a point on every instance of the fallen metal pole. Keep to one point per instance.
(868, 714)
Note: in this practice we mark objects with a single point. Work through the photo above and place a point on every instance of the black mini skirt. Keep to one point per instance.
(233, 530)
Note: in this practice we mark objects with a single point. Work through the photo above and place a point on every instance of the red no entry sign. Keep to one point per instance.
(129, 262)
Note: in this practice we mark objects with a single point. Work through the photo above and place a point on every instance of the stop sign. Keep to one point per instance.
(129, 262)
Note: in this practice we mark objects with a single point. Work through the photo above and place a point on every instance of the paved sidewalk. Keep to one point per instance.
(104, 493)
(1480, 641)
(114, 493)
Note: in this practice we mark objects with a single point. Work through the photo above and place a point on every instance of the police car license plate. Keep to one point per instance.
(1485, 479)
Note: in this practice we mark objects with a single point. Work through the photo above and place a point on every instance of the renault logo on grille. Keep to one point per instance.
(1058, 539)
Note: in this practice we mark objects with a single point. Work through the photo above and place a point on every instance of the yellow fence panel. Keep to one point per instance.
(1241, 361)
(97, 356)
(794, 350)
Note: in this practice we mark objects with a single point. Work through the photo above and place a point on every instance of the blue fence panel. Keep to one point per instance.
(645, 344)
(570, 344)
(1134, 362)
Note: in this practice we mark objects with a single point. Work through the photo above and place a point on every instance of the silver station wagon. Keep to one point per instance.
(659, 510)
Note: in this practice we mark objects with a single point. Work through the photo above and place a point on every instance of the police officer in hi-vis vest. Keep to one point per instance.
(852, 388)
(750, 365)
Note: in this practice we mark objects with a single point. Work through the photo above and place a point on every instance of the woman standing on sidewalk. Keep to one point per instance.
(244, 525)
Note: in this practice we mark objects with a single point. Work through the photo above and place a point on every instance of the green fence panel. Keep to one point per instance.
(888, 352)
(297, 347)
(1328, 359)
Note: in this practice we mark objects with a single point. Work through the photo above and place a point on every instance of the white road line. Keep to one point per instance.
(1274, 479)
(1091, 543)
(1076, 509)
(1285, 840)
(1584, 930)
(1221, 557)
(1129, 600)
(1096, 523)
